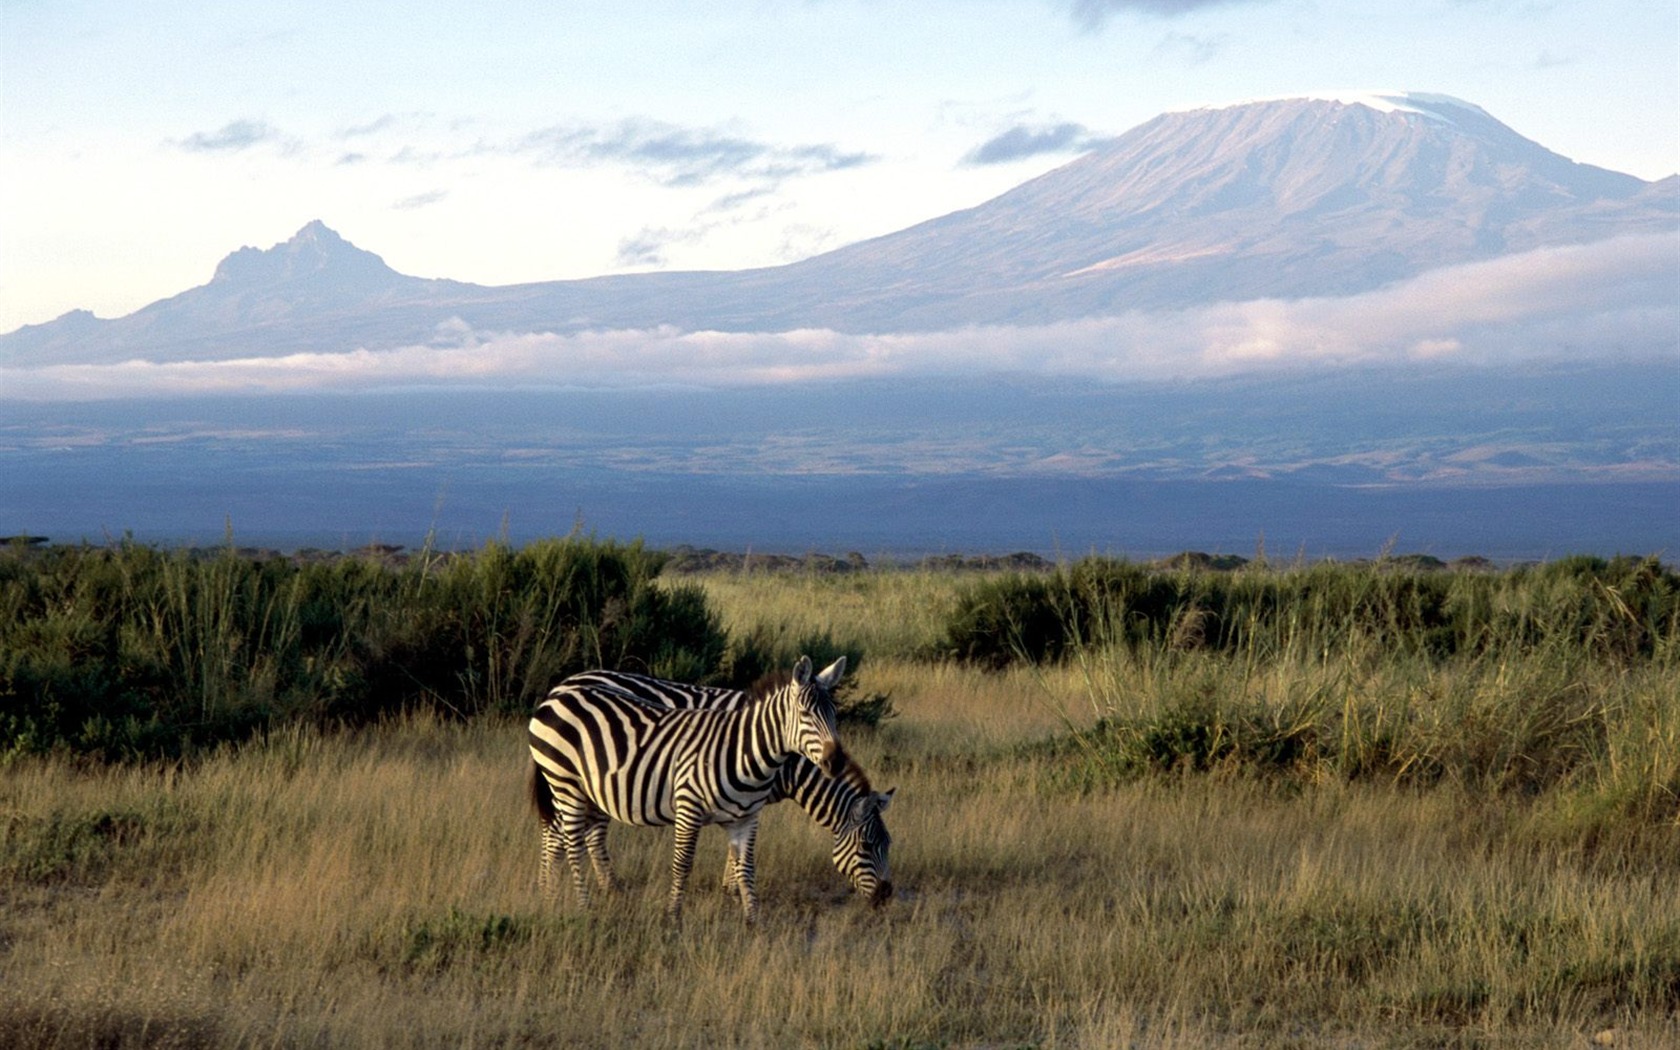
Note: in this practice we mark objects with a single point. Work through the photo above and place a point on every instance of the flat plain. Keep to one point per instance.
(1057, 887)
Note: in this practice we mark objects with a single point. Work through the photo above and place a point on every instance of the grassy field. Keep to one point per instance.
(1153, 845)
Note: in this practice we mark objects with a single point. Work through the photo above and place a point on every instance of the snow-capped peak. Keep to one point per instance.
(1422, 103)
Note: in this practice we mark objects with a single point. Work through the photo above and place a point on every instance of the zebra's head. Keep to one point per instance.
(812, 698)
(860, 847)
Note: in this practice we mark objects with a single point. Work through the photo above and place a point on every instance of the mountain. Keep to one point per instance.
(1289, 198)
(315, 291)
(1294, 198)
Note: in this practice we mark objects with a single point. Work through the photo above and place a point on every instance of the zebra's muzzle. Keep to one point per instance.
(883, 893)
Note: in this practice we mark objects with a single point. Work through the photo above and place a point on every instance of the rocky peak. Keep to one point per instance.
(315, 255)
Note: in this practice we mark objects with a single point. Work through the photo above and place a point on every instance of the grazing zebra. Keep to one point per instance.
(845, 804)
(602, 755)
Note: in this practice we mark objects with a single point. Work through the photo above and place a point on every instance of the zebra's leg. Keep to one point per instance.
(682, 859)
(547, 879)
(743, 844)
(573, 827)
(729, 868)
(595, 839)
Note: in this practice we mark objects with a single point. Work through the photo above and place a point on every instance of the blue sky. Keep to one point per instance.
(500, 142)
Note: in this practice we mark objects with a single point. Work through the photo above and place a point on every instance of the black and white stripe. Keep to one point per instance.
(600, 755)
(845, 804)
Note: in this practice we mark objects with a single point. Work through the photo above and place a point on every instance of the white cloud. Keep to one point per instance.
(231, 137)
(682, 156)
(421, 200)
(1610, 301)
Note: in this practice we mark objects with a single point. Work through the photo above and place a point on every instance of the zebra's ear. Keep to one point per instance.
(858, 811)
(831, 674)
(883, 799)
(802, 672)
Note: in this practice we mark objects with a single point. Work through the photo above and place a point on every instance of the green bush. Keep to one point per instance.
(129, 651)
(999, 621)
(764, 650)
(1621, 608)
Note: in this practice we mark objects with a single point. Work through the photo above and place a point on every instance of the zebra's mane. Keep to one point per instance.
(768, 683)
(853, 774)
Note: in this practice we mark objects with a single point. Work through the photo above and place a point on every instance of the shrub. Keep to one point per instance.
(763, 650)
(129, 651)
(999, 621)
(1618, 609)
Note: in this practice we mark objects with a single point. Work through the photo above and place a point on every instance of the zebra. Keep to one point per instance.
(599, 754)
(845, 804)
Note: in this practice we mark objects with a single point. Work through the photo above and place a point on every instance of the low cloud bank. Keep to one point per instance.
(1600, 303)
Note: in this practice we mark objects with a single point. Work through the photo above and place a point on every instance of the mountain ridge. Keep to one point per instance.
(1273, 199)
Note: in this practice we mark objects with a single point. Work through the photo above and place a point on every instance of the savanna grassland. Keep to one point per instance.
(1309, 805)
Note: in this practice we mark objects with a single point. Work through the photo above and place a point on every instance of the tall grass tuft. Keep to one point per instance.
(1564, 676)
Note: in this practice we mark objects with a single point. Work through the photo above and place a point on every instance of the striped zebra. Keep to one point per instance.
(845, 804)
(600, 755)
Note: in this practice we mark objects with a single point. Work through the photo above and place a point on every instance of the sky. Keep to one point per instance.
(500, 142)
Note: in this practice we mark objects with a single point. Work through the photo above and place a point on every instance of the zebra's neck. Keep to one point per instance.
(771, 736)
(827, 799)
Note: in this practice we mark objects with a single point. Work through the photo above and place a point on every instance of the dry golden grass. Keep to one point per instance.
(377, 889)
(887, 613)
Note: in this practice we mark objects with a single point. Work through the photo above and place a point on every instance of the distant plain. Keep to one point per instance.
(1510, 466)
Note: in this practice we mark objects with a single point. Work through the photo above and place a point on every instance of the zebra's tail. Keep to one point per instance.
(542, 799)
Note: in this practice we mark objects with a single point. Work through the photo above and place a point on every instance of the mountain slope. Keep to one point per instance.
(314, 291)
(1290, 198)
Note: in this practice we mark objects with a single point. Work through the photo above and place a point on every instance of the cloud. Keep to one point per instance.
(732, 201)
(1592, 304)
(420, 200)
(231, 137)
(679, 156)
(647, 247)
(802, 240)
(1024, 140)
(1094, 14)
(1194, 48)
(377, 124)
